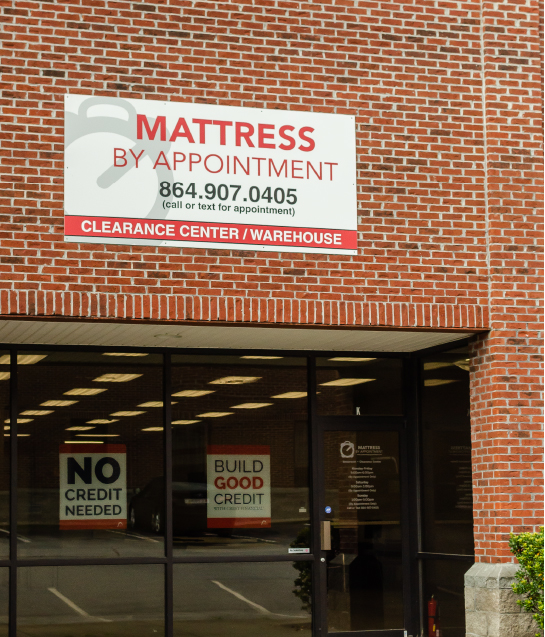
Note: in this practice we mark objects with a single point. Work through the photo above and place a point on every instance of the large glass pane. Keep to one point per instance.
(93, 436)
(446, 457)
(4, 453)
(240, 455)
(271, 599)
(364, 570)
(4, 601)
(91, 601)
(352, 386)
(444, 588)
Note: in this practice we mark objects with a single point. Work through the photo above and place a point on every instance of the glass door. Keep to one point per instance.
(364, 528)
(363, 511)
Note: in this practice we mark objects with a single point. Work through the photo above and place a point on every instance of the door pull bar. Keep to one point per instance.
(326, 535)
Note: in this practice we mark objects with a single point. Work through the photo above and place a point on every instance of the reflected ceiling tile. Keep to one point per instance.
(85, 391)
(251, 405)
(215, 414)
(291, 394)
(116, 378)
(193, 393)
(127, 413)
(347, 382)
(58, 403)
(234, 380)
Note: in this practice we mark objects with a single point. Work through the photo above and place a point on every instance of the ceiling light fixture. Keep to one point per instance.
(438, 365)
(291, 394)
(351, 359)
(234, 380)
(436, 382)
(78, 428)
(215, 414)
(347, 382)
(251, 405)
(262, 358)
(102, 421)
(83, 442)
(153, 429)
(184, 422)
(23, 359)
(21, 421)
(127, 413)
(99, 435)
(129, 354)
(37, 412)
(154, 403)
(85, 391)
(58, 403)
(116, 378)
(192, 393)
(4, 375)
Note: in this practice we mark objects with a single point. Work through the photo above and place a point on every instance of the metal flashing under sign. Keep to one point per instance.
(146, 172)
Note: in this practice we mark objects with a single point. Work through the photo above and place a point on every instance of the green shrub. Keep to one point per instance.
(528, 549)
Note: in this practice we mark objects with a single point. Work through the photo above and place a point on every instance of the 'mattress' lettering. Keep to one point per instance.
(226, 133)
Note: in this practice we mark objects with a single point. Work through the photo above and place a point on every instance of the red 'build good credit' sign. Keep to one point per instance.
(146, 172)
(239, 486)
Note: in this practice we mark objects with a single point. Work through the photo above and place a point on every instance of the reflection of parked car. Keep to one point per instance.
(146, 508)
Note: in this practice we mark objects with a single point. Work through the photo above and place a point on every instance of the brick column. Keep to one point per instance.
(506, 367)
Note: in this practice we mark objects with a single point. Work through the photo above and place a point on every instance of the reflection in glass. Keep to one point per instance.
(91, 601)
(242, 599)
(446, 457)
(364, 567)
(240, 455)
(4, 601)
(4, 453)
(89, 444)
(444, 579)
(352, 386)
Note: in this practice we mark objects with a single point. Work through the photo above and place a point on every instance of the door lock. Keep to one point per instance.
(326, 535)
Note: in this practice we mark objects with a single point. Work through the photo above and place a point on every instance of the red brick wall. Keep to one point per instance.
(507, 368)
(446, 236)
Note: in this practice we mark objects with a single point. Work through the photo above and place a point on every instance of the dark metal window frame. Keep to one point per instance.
(408, 426)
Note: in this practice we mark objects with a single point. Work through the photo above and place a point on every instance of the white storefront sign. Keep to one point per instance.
(146, 172)
(93, 486)
(239, 486)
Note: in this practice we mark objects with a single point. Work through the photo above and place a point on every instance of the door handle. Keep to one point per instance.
(326, 535)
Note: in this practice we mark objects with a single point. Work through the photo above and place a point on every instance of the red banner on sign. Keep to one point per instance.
(205, 232)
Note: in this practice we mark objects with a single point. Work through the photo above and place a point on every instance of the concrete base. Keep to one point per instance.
(491, 605)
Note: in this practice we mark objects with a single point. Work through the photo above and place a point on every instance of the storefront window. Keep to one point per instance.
(91, 436)
(446, 457)
(91, 601)
(240, 455)
(230, 600)
(352, 386)
(4, 452)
